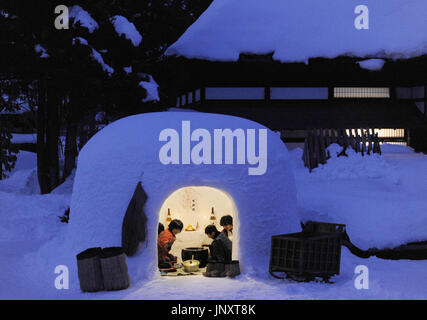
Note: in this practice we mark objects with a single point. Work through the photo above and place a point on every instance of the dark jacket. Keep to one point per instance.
(221, 248)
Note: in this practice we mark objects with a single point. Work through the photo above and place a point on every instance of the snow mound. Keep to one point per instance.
(394, 148)
(23, 177)
(24, 217)
(354, 166)
(22, 181)
(126, 28)
(82, 17)
(381, 199)
(296, 30)
(67, 186)
(127, 151)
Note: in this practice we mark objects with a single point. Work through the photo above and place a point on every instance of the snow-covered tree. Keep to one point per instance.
(105, 62)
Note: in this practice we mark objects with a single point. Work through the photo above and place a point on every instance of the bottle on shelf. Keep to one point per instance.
(168, 217)
(213, 219)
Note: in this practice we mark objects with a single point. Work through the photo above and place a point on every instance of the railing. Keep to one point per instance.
(364, 141)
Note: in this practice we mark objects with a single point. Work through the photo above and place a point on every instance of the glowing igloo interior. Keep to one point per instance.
(193, 206)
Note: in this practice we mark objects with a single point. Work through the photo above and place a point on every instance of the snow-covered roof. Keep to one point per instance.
(125, 152)
(296, 30)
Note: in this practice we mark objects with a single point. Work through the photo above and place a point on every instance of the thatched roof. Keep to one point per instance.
(296, 30)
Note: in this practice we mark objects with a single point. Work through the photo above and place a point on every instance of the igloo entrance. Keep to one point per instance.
(198, 207)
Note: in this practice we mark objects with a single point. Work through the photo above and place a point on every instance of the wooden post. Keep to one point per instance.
(377, 148)
(327, 138)
(370, 149)
(316, 147)
(322, 148)
(350, 138)
(363, 142)
(305, 155)
(311, 151)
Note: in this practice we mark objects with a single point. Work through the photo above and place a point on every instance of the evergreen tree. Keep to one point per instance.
(89, 74)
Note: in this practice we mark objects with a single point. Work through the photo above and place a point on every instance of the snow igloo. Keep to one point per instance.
(186, 163)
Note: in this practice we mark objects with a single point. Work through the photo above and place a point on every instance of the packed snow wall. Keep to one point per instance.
(130, 150)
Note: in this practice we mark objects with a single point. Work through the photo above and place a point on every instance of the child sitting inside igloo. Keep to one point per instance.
(220, 249)
(227, 223)
(164, 244)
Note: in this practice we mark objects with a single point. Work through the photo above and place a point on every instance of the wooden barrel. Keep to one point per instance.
(215, 269)
(232, 268)
(89, 270)
(114, 269)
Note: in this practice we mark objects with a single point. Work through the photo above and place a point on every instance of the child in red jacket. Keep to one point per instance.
(164, 244)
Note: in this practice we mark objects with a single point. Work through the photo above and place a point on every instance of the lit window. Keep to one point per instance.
(361, 92)
(382, 133)
(390, 133)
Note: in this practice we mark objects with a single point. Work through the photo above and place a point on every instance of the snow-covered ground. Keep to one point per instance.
(381, 199)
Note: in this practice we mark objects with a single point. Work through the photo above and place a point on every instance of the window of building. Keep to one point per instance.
(411, 93)
(235, 93)
(298, 93)
(345, 92)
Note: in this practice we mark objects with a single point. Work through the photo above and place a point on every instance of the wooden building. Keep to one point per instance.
(341, 90)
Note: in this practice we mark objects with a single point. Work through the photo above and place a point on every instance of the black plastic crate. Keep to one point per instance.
(305, 255)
